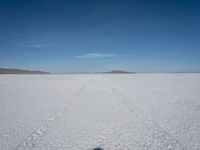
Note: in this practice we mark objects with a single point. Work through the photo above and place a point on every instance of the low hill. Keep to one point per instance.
(118, 72)
(20, 71)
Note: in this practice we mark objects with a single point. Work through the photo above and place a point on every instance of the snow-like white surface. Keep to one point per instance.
(114, 112)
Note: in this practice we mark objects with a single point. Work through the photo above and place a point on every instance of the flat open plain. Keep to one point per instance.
(113, 112)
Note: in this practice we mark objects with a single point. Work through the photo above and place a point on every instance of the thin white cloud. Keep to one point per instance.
(97, 55)
(33, 46)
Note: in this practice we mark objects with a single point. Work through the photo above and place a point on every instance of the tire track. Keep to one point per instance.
(32, 140)
(168, 141)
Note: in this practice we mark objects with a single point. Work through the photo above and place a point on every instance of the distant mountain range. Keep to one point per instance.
(117, 72)
(20, 71)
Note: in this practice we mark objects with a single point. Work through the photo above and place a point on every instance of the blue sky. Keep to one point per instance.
(100, 35)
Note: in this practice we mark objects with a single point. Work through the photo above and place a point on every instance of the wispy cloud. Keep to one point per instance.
(97, 55)
(33, 46)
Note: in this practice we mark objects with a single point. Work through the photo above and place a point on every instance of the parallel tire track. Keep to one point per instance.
(167, 140)
(32, 140)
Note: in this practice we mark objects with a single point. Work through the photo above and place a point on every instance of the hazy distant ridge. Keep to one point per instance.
(20, 71)
(118, 72)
